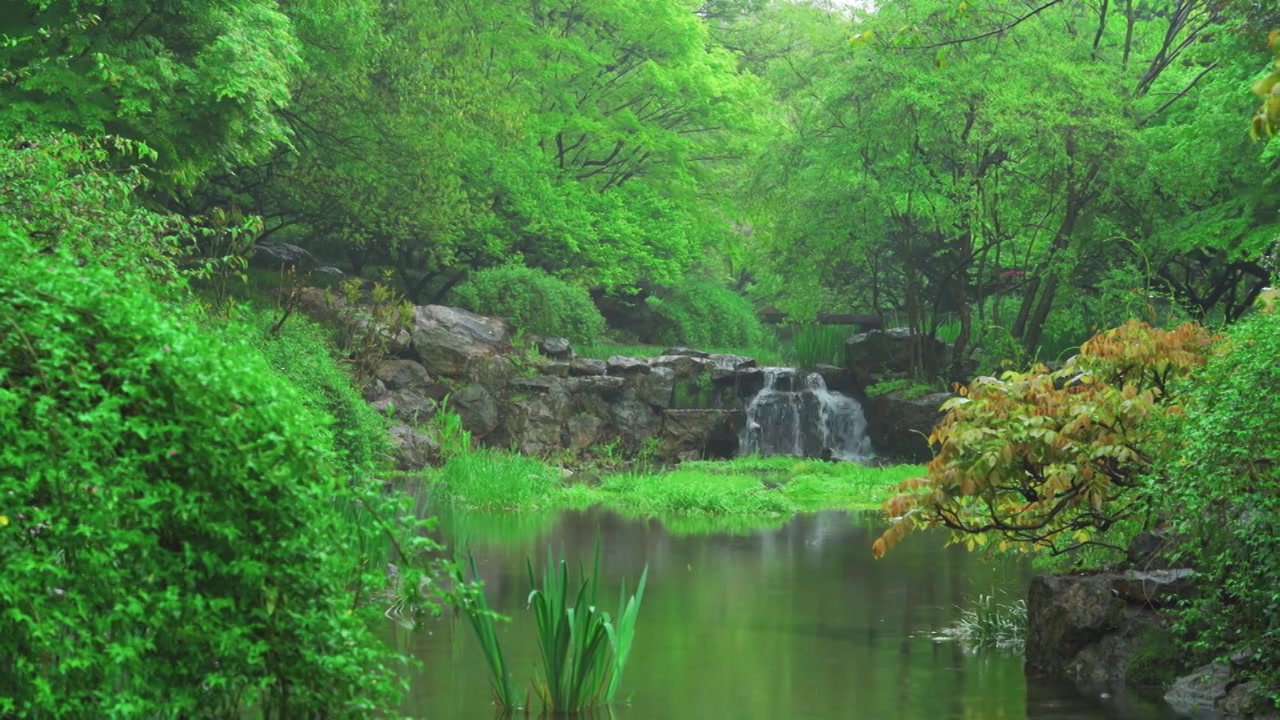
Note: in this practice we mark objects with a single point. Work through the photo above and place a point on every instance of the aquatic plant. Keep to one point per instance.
(987, 624)
(471, 601)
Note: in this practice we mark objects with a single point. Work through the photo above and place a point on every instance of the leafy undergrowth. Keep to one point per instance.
(753, 489)
(605, 350)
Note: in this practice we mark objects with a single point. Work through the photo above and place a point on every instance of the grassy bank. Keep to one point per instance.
(752, 491)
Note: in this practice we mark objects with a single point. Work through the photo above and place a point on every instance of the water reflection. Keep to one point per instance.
(796, 622)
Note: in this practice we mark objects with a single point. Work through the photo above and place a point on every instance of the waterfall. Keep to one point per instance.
(795, 414)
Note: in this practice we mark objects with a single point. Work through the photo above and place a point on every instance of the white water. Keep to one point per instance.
(797, 415)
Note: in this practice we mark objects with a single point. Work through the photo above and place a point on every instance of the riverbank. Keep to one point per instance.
(744, 492)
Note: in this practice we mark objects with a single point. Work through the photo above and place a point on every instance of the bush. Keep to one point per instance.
(171, 516)
(533, 302)
(1223, 494)
(703, 314)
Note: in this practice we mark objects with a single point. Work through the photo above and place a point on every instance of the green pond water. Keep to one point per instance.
(794, 622)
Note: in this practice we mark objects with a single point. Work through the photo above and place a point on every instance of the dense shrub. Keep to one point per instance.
(704, 314)
(533, 302)
(171, 515)
(1223, 494)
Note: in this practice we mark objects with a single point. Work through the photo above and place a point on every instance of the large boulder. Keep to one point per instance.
(413, 450)
(633, 420)
(399, 374)
(897, 351)
(477, 408)
(698, 434)
(447, 341)
(899, 427)
(1067, 614)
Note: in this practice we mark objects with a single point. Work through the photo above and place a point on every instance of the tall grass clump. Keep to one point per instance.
(583, 650)
(490, 479)
(814, 344)
(989, 625)
(533, 301)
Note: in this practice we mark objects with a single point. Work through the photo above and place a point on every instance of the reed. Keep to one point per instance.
(471, 601)
(814, 344)
(573, 637)
(987, 624)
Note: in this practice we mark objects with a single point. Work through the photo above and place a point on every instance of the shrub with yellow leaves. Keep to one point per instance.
(1050, 460)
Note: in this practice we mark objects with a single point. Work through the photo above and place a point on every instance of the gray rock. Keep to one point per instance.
(275, 255)
(656, 388)
(536, 383)
(555, 368)
(899, 428)
(635, 421)
(413, 450)
(587, 367)
(583, 431)
(892, 351)
(683, 367)
(407, 406)
(1065, 614)
(448, 340)
(682, 350)
(556, 348)
(374, 390)
(698, 434)
(604, 387)
(493, 371)
(398, 374)
(477, 408)
(623, 365)
(1155, 587)
(1201, 691)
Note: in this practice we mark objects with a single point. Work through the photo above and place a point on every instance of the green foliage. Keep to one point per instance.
(1050, 460)
(1266, 122)
(1221, 493)
(62, 189)
(200, 82)
(483, 620)
(701, 313)
(909, 388)
(172, 528)
(533, 302)
(300, 352)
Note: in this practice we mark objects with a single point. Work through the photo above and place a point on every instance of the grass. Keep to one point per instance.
(813, 344)
(755, 488)
(989, 625)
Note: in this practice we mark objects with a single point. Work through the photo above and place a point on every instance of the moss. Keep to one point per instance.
(1157, 661)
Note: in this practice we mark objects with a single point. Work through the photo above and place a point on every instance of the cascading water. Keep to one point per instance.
(795, 414)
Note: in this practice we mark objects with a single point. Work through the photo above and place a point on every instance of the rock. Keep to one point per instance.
(555, 368)
(536, 425)
(682, 350)
(477, 408)
(448, 340)
(276, 255)
(1150, 550)
(1155, 587)
(899, 428)
(407, 406)
(1065, 614)
(622, 365)
(586, 367)
(891, 351)
(682, 367)
(604, 387)
(413, 450)
(537, 383)
(635, 421)
(1201, 691)
(374, 390)
(556, 348)
(656, 388)
(398, 374)
(698, 434)
(492, 372)
(583, 431)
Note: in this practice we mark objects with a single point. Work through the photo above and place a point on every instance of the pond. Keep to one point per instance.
(797, 622)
